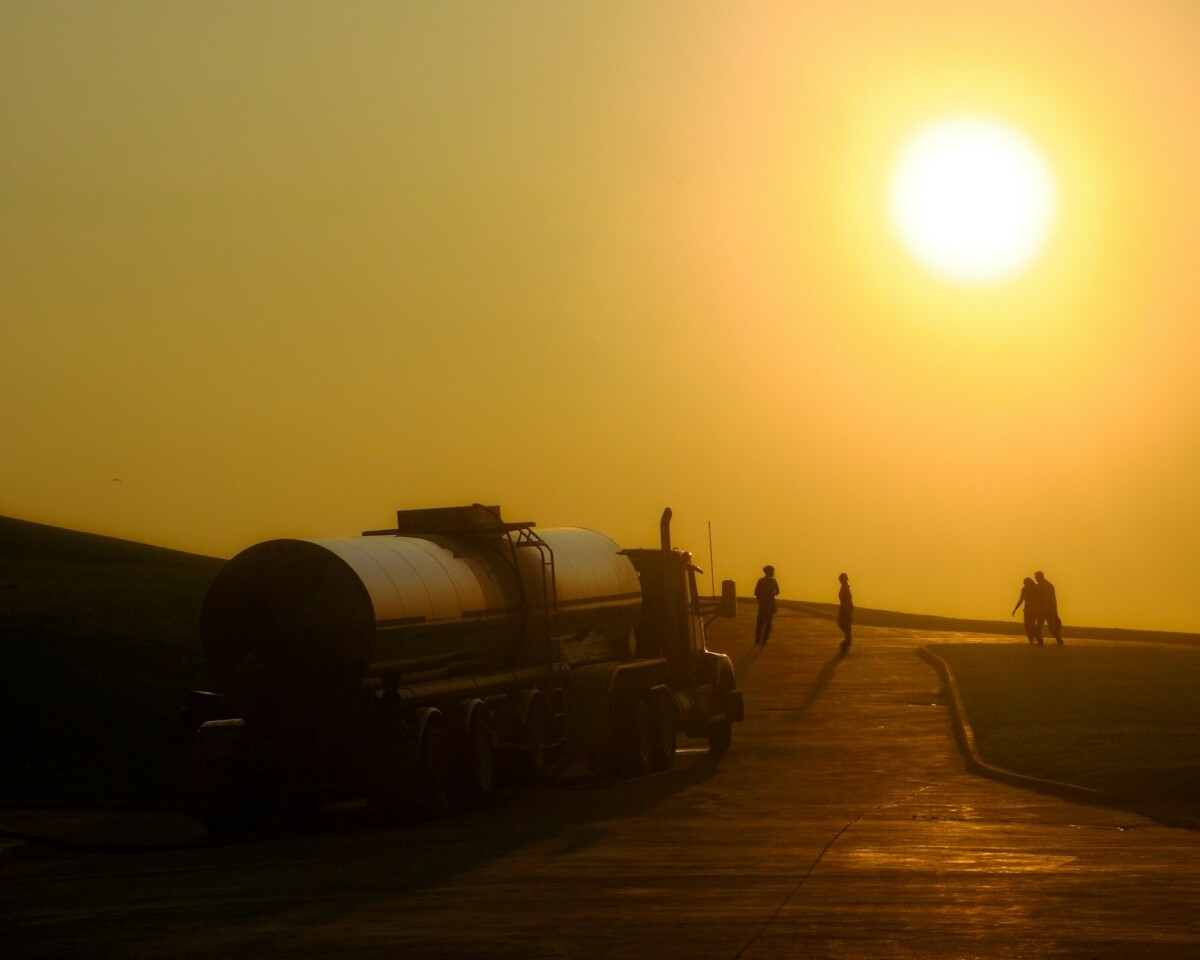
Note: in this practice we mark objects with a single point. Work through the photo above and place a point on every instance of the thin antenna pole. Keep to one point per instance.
(712, 571)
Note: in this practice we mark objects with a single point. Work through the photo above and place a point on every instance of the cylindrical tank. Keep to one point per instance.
(425, 607)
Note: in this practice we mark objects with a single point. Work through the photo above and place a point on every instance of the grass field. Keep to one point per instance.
(1122, 719)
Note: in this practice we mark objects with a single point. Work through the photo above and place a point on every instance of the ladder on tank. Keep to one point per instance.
(527, 539)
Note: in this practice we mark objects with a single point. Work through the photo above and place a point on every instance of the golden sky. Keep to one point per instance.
(282, 268)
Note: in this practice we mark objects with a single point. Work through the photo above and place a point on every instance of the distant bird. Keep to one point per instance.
(117, 480)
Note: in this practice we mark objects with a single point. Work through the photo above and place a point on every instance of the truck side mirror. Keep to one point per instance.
(727, 605)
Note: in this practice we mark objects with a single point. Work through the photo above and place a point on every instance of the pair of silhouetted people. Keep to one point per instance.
(1041, 609)
(767, 589)
(765, 592)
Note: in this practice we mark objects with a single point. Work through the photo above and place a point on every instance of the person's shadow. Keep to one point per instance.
(818, 686)
(742, 664)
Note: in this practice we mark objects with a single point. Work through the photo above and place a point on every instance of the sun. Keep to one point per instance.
(972, 199)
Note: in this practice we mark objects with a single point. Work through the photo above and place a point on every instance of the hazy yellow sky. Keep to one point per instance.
(285, 267)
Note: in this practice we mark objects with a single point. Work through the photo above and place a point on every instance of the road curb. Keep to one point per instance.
(1070, 791)
(976, 763)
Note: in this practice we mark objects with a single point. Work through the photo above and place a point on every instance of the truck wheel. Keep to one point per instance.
(436, 770)
(662, 732)
(634, 743)
(479, 760)
(534, 740)
(604, 765)
(720, 732)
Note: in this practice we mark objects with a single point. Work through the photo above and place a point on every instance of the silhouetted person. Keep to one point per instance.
(765, 592)
(1048, 607)
(1030, 597)
(845, 611)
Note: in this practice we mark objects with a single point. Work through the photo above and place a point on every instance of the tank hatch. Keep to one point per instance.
(475, 519)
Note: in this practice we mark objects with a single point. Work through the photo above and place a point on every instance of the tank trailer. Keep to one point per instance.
(410, 665)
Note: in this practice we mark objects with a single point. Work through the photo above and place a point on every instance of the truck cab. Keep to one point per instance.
(672, 627)
(673, 613)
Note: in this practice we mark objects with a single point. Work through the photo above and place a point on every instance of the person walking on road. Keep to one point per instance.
(1048, 607)
(765, 592)
(1030, 597)
(845, 612)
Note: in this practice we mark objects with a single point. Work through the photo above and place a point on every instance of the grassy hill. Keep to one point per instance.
(99, 640)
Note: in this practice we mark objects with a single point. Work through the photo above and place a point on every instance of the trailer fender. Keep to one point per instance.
(426, 718)
(527, 701)
(468, 712)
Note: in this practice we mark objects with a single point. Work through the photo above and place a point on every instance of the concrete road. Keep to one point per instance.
(842, 823)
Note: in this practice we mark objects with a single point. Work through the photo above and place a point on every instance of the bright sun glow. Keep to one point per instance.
(972, 200)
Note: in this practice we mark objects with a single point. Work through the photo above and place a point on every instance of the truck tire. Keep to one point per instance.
(533, 741)
(720, 731)
(478, 766)
(662, 731)
(634, 740)
(435, 769)
(604, 765)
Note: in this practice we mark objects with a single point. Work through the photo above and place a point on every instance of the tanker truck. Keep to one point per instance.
(413, 666)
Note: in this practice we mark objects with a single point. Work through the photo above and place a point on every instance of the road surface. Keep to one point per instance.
(842, 823)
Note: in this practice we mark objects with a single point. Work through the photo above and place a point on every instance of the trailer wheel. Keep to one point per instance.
(534, 741)
(662, 731)
(604, 765)
(479, 760)
(436, 769)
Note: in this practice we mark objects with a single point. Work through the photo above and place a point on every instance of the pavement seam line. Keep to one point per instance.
(821, 856)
